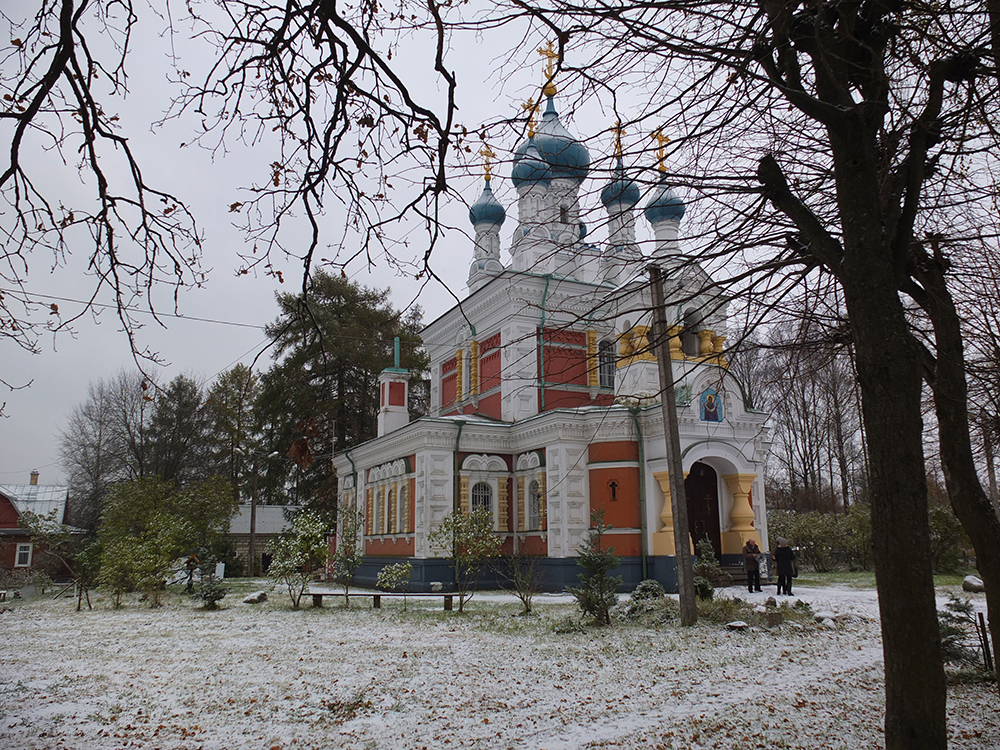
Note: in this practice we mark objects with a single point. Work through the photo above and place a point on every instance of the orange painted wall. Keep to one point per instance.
(398, 547)
(624, 512)
(534, 545)
(617, 450)
(629, 545)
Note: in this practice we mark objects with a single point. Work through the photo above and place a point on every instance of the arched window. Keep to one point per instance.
(534, 506)
(606, 364)
(689, 337)
(482, 497)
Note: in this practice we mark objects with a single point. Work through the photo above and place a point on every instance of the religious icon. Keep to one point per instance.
(711, 406)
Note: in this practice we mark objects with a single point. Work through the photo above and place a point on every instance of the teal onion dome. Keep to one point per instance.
(530, 169)
(565, 155)
(487, 210)
(621, 191)
(664, 205)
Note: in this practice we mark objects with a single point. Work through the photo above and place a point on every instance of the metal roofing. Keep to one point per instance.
(270, 519)
(40, 499)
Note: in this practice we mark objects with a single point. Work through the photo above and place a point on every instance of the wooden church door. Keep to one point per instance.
(702, 490)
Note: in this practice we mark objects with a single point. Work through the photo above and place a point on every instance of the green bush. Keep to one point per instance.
(703, 588)
(596, 593)
(707, 566)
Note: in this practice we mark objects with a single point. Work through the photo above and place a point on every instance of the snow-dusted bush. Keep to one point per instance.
(596, 592)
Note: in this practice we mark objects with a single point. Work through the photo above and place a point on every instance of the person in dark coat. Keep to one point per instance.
(784, 561)
(751, 561)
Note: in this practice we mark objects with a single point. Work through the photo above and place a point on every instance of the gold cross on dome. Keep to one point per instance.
(551, 55)
(487, 153)
(619, 131)
(531, 107)
(661, 148)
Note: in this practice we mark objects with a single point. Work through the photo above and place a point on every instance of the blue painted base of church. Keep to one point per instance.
(553, 574)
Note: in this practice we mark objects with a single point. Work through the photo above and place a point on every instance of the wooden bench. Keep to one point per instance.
(317, 597)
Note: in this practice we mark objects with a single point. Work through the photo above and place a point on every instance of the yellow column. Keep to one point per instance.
(705, 346)
(463, 495)
(663, 540)
(741, 516)
(592, 364)
(407, 515)
(676, 352)
(370, 508)
(503, 516)
(521, 505)
(718, 346)
(542, 502)
(474, 368)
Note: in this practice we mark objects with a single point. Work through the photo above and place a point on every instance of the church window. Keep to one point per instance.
(564, 214)
(482, 497)
(613, 490)
(689, 337)
(606, 364)
(534, 506)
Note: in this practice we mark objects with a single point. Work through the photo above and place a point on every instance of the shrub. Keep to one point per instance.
(472, 542)
(525, 577)
(295, 553)
(210, 590)
(703, 588)
(596, 593)
(648, 589)
(707, 566)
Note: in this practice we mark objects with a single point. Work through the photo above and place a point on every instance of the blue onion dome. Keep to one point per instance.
(621, 191)
(529, 168)
(487, 210)
(664, 205)
(567, 157)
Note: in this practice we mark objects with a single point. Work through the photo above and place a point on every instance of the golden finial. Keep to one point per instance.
(619, 131)
(661, 149)
(531, 107)
(487, 153)
(551, 55)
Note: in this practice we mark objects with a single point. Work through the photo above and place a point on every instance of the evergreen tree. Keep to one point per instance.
(321, 396)
(596, 592)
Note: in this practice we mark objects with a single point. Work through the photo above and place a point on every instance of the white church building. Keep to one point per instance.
(544, 394)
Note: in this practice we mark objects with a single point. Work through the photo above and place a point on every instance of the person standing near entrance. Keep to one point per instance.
(784, 561)
(751, 561)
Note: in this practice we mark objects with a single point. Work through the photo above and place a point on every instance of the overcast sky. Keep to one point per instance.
(491, 85)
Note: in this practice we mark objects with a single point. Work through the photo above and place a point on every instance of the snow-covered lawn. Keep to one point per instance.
(267, 677)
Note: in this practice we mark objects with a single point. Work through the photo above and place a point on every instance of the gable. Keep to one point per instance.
(8, 513)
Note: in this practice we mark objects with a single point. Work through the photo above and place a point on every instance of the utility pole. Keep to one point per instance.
(252, 544)
(671, 432)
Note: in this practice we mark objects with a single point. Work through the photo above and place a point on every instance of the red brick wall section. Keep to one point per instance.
(489, 371)
(491, 406)
(8, 515)
(397, 394)
(448, 389)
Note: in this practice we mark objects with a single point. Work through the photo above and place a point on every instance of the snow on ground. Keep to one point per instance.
(269, 677)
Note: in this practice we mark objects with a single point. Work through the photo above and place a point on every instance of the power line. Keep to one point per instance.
(137, 310)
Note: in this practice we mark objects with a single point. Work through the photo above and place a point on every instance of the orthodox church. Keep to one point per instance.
(545, 392)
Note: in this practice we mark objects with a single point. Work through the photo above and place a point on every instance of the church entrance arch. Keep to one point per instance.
(702, 490)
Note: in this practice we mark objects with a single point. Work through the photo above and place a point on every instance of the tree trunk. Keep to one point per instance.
(968, 498)
(889, 376)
